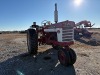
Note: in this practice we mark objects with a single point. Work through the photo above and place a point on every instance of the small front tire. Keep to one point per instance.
(67, 57)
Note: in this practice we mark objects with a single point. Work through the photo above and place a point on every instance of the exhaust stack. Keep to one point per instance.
(56, 14)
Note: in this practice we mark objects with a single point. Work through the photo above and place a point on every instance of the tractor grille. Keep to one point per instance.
(67, 34)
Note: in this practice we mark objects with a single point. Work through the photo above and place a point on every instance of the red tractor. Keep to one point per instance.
(81, 30)
(59, 35)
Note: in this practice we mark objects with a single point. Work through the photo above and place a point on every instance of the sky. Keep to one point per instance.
(20, 14)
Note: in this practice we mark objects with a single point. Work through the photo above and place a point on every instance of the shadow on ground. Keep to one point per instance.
(92, 43)
(45, 63)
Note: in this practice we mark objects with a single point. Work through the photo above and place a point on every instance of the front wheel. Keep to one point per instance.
(67, 57)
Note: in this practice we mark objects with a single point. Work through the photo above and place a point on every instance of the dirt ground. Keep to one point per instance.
(13, 59)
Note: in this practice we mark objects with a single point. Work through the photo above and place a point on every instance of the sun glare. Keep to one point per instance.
(78, 2)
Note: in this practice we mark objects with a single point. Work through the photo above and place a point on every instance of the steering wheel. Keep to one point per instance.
(45, 22)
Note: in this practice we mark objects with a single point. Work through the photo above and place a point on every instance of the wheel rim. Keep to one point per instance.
(62, 57)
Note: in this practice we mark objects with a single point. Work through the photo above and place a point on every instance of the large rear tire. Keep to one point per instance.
(32, 41)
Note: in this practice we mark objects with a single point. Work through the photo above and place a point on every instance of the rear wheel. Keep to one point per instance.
(32, 41)
(66, 57)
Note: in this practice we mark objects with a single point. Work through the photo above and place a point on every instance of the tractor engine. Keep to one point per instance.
(61, 32)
